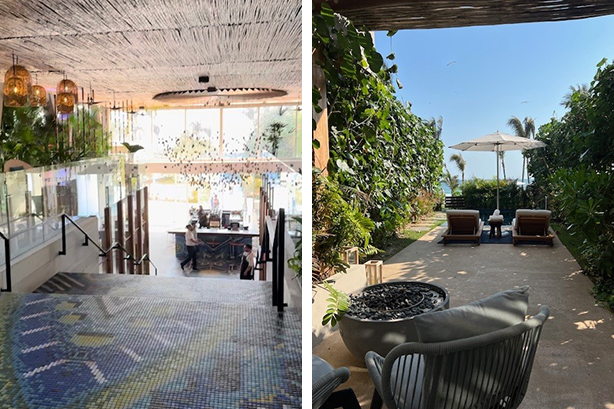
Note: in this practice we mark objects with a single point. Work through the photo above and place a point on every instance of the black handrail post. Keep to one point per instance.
(7, 266)
(63, 251)
(275, 265)
(281, 222)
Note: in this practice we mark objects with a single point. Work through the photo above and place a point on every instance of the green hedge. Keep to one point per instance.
(482, 194)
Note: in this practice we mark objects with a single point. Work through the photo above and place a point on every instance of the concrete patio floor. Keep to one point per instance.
(574, 366)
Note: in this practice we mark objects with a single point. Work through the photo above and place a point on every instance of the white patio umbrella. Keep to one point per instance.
(498, 142)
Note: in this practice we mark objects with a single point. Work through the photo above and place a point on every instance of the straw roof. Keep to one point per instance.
(139, 48)
(408, 14)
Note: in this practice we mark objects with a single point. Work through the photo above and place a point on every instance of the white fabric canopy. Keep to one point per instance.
(498, 142)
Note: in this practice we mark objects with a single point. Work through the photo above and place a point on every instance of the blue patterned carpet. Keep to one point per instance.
(98, 351)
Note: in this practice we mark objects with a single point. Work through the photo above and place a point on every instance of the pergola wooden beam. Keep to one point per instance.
(421, 14)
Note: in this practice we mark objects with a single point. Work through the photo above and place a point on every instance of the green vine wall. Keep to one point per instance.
(382, 156)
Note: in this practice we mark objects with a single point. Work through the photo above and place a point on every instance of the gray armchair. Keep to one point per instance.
(482, 372)
(325, 380)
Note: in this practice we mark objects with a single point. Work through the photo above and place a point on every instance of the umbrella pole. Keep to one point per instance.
(497, 153)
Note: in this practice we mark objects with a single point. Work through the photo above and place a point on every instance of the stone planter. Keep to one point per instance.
(361, 335)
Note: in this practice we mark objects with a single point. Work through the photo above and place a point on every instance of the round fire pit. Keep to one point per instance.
(380, 316)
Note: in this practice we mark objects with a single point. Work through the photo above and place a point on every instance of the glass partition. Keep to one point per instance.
(33, 200)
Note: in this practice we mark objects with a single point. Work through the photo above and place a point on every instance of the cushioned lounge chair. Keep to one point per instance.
(482, 372)
(325, 380)
(532, 226)
(464, 225)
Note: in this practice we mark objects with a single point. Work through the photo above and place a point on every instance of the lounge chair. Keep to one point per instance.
(325, 380)
(532, 226)
(463, 225)
(485, 371)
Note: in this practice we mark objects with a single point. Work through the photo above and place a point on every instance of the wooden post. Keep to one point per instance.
(108, 239)
(321, 154)
(139, 230)
(375, 271)
(119, 255)
(146, 227)
(130, 238)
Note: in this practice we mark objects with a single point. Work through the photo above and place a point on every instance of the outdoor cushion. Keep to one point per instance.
(501, 310)
(319, 368)
(529, 212)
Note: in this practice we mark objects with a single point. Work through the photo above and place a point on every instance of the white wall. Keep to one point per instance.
(38, 265)
(353, 280)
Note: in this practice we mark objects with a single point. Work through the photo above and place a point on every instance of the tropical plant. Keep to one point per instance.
(272, 135)
(338, 305)
(579, 91)
(502, 160)
(378, 147)
(524, 129)
(336, 224)
(36, 136)
(437, 126)
(460, 163)
(450, 180)
(296, 261)
(132, 148)
(576, 171)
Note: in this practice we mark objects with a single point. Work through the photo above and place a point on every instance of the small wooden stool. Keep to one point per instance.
(375, 271)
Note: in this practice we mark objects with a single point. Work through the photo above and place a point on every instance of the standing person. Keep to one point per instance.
(191, 242)
(247, 263)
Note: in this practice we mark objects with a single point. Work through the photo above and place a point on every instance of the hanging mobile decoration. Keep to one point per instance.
(17, 85)
(67, 96)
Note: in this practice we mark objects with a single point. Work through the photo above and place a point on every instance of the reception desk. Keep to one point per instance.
(222, 248)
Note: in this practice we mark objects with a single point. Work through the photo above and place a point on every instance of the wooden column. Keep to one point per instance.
(146, 266)
(320, 155)
(108, 239)
(139, 230)
(120, 237)
(130, 238)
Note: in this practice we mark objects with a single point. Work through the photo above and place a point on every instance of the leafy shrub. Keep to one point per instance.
(482, 194)
(576, 171)
(585, 201)
(336, 223)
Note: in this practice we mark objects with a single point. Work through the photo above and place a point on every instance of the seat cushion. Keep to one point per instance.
(501, 310)
(319, 368)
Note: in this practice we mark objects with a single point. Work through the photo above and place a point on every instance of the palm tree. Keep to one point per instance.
(460, 163)
(450, 180)
(502, 159)
(524, 129)
(437, 126)
(582, 89)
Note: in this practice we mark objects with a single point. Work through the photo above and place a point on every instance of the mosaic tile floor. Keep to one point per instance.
(100, 351)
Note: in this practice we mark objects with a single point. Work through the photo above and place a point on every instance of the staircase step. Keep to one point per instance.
(218, 290)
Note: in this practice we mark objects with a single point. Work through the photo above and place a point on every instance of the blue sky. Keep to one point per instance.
(476, 78)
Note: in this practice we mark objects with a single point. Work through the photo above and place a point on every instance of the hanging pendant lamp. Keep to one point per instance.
(67, 96)
(17, 86)
(39, 95)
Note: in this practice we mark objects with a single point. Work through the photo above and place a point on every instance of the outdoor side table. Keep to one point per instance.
(495, 224)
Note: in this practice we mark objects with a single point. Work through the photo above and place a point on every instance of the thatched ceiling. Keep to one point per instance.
(139, 48)
(408, 14)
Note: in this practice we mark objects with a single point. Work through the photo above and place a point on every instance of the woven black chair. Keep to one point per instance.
(489, 371)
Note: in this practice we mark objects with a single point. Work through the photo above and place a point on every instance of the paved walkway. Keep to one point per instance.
(574, 367)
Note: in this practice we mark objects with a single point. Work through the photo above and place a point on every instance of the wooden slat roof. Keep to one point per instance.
(408, 14)
(139, 48)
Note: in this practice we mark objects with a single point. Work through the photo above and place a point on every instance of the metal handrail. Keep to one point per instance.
(103, 252)
(7, 268)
